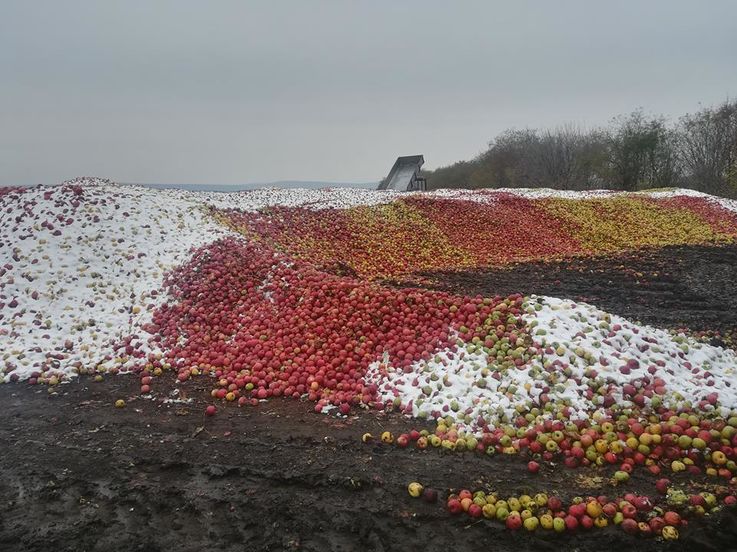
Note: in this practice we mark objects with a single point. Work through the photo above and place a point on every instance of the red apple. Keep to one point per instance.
(656, 524)
(630, 526)
(454, 506)
(571, 522)
(662, 485)
(587, 522)
(609, 509)
(554, 504)
(514, 521)
(672, 518)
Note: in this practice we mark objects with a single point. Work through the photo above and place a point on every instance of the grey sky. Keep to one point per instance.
(249, 91)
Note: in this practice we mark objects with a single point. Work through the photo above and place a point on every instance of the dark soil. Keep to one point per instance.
(78, 474)
(673, 287)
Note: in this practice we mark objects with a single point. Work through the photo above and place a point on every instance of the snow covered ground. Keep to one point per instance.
(79, 264)
(345, 198)
(585, 355)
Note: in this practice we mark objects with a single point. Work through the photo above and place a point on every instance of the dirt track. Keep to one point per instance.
(78, 474)
(684, 286)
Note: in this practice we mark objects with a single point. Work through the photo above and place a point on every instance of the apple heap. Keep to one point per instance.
(720, 219)
(369, 241)
(641, 400)
(372, 239)
(591, 357)
(139, 233)
(635, 514)
(627, 221)
(265, 326)
(684, 442)
(529, 231)
(83, 263)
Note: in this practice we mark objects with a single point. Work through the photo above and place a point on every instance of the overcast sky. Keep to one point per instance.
(245, 91)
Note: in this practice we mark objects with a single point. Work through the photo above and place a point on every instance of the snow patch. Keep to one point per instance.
(579, 350)
(79, 264)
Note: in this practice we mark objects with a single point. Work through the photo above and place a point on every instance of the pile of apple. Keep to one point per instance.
(678, 443)
(528, 230)
(377, 241)
(634, 514)
(656, 442)
(623, 222)
(709, 209)
(424, 233)
(265, 326)
(573, 363)
(287, 308)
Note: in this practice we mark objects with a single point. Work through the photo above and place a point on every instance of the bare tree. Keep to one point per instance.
(708, 148)
(504, 164)
(635, 152)
(642, 152)
(564, 158)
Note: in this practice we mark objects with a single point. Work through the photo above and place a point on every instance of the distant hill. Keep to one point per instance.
(309, 184)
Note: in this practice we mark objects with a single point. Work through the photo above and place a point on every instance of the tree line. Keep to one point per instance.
(634, 152)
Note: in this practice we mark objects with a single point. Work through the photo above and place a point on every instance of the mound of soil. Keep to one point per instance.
(78, 474)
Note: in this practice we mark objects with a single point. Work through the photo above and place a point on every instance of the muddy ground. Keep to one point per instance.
(78, 474)
(672, 287)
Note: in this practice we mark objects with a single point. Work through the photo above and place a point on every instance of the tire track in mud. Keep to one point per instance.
(671, 287)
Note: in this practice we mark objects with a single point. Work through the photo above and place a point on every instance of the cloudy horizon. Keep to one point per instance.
(234, 93)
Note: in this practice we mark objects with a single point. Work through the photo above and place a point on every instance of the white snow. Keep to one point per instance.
(572, 336)
(326, 198)
(689, 369)
(76, 292)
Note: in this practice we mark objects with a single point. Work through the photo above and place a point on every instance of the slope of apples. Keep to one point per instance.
(82, 264)
(266, 326)
(581, 360)
(273, 293)
(438, 232)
